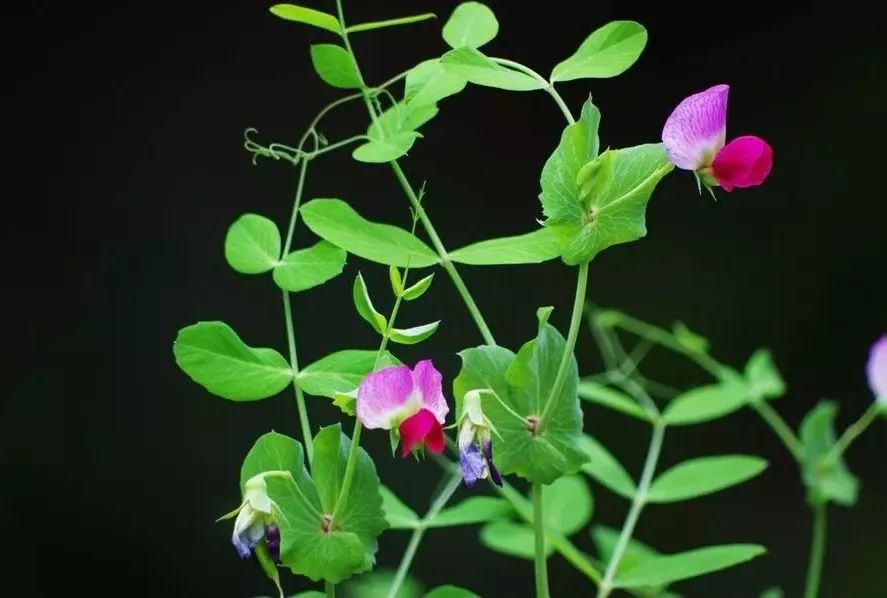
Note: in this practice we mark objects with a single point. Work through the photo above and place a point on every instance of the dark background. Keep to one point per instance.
(124, 142)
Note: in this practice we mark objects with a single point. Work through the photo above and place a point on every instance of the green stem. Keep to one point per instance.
(546, 85)
(442, 254)
(541, 561)
(782, 430)
(854, 431)
(817, 552)
(419, 532)
(637, 505)
(573, 333)
(330, 589)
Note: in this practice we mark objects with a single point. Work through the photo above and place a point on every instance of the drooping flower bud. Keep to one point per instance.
(255, 519)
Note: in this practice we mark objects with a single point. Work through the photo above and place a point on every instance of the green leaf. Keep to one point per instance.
(603, 467)
(417, 290)
(513, 539)
(827, 479)
(451, 592)
(611, 398)
(311, 267)
(523, 383)
(704, 475)
(429, 82)
(606, 538)
(665, 569)
(336, 373)
(310, 545)
(471, 25)
(379, 151)
(213, 355)
(252, 245)
(377, 585)
(706, 403)
(607, 52)
(477, 509)
(398, 515)
(774, 592)
(530, 248)
(309, 594)
(689, 340)
(338, 223)
(400, 118)
(390, 22)
(617, 211)
(396, 281)
(473, 66)
(414, 335)
(364, 306)
(567, 505)
(273, 452)
(763, 377)
(309, 16)
(335, 66)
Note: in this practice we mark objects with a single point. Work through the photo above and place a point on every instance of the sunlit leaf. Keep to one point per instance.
(530, 248)
(309, 16)
(414, 335)
(471, 25)
(390, 22)
(311, 267)
(473, 66)
(704, 475)
(364, 306)
(607, 52)
(252, 244)
(335, 66)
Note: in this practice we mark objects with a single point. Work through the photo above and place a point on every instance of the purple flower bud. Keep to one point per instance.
(272, 539)
(472, 464)
(488, 456)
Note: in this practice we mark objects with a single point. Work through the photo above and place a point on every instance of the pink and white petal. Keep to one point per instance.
(428, 381)
(877, 369)
(383, 396)
(744, 162)
(697, 128)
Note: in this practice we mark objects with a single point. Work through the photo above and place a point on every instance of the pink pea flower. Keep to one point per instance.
(410, 401)
(694, 137)
(877, 369)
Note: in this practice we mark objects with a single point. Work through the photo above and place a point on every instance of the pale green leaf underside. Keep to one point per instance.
(473, 66)
(338, 223)
(308, 16)
(335, 66)
(364, 305)
(477, 509)
(704, 475)
(665, 569)
(213, 355)
(252, 244)
(530, 248)
(513, 539)
(392, 147)
(472, 25)
(607, 52)
(414, 335)
(311, 267)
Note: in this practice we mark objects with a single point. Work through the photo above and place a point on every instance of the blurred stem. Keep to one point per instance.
(419, 532)
(854, 431)
(572, 335)
(546, 85)
(637, 505)
(817, 551)
(782, 430)
(330, 589)
(541, 561)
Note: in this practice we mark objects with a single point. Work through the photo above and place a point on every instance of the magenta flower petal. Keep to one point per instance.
(421, 429)
(877, 368)
(697, 128)
(744, 162)
(386, 397)
(428, 381)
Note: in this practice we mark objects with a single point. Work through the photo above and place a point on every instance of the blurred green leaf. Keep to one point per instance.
(567, 505)
(471, 25)
(213, 355)
(763, 377)
(338, 223)
(477, 509)
(513, 539)
(665, 569)
(335, 66)
(611, 398)
(450, 592)
(603, 467)
(311, 267)
(706, 403)
(607, 52)
(252, 244)
(704, 475)
(398, 515)
(377, 585)
(636, 552)
(429, 82)
(390, 22)
(827, 479)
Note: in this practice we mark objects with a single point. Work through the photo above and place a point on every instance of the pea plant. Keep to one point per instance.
(315, 506)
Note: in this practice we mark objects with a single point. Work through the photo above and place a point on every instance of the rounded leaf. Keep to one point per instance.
(252, 245)
(471, 25)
